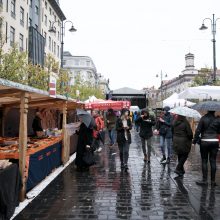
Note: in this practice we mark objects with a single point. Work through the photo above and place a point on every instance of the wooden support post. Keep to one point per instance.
(66, 147)
(23, 141)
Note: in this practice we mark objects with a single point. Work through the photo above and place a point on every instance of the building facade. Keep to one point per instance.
(27, 23)
(181, 82)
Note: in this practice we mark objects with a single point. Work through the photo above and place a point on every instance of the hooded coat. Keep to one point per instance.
(182, 136)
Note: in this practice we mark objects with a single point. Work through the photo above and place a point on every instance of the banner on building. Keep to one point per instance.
(52, 86)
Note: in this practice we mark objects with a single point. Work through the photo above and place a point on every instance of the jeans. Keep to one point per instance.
(181, 160)
(124, 152)
(165, 141)
(209, 150)
(149, 141)
(111, 134)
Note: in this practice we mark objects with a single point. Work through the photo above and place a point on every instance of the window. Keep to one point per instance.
(77, 62)
(54, 47)
(31, 3)
(50, 11)
(49, 24)
(45, 36)
(45, 20)
(30, 22)
(87, 63)
(45, 4)
(13, 8)
(21, 42)
(55, 18)
(49, 43)
(21, 16)
(36, 10)
(58, 51)
(58, 35)
(12, 36)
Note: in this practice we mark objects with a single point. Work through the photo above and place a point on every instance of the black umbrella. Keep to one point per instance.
(207, 106)
(85, 116)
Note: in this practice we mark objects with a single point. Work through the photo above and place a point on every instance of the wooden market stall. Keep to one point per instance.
(30, 152)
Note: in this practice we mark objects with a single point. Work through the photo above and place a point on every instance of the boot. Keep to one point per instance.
(145, 158)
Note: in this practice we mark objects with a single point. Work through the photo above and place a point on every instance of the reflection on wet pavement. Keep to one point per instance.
(147, 191)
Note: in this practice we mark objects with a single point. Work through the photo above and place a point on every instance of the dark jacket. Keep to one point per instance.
(165, 127)
(182, 136)
(204, 130)
(85, 138)
(121, 131)
(146, 125)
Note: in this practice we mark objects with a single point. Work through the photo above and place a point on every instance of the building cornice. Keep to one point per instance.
(57, 9)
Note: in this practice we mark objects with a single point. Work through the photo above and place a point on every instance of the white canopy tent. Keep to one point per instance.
(93, 99)
(201, 92)
(175, 101)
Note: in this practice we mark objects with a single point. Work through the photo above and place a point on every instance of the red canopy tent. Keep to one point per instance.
(108, 104)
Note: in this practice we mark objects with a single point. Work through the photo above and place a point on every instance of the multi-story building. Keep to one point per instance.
(181, 82)
(84, 67)
(27, 23)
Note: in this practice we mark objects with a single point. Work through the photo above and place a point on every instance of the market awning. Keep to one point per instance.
(108, 104)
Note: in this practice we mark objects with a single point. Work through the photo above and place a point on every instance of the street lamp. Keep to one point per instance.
(213, 28)
(161, 83)
(53, 30)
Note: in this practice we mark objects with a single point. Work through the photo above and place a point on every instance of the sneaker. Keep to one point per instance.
(163, 160)
(99, 150)
(202, 183)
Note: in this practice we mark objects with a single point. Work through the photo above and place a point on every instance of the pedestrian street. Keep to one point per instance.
(147, 191)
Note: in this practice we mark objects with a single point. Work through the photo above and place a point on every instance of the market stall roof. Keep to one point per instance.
(201, 92)
(174, 101)
(10, 93)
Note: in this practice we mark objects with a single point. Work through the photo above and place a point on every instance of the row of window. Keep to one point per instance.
(12, 39)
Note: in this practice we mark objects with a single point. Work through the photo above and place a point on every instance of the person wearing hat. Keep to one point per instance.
(123, 127)
(164, 127)
(146, 122)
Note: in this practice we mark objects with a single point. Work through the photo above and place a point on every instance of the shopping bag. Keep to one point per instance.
(89, 158)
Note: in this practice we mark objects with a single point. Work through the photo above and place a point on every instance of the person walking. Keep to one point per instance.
(36, 124)
(136, 117)
(206, 135)
(97, 130)
(111, 119)
(182, 141)
(146, 123)
(85, 140)
(164, 127)
(123, 127)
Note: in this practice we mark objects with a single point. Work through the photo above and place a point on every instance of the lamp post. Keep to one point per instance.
(53, 30)
(213, 28)
(161, 83)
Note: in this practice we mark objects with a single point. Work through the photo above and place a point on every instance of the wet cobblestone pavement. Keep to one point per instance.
(147, 191)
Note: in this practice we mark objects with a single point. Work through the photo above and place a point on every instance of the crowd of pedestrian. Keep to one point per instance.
(174, 132)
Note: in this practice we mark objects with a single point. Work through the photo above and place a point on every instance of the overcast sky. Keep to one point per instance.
(130, 41)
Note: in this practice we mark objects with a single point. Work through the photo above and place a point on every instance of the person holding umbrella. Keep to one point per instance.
(206, 135)
(85, 140)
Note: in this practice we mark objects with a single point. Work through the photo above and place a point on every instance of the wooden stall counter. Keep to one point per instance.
(34, 145)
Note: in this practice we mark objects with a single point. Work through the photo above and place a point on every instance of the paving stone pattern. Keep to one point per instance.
(147, 191)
